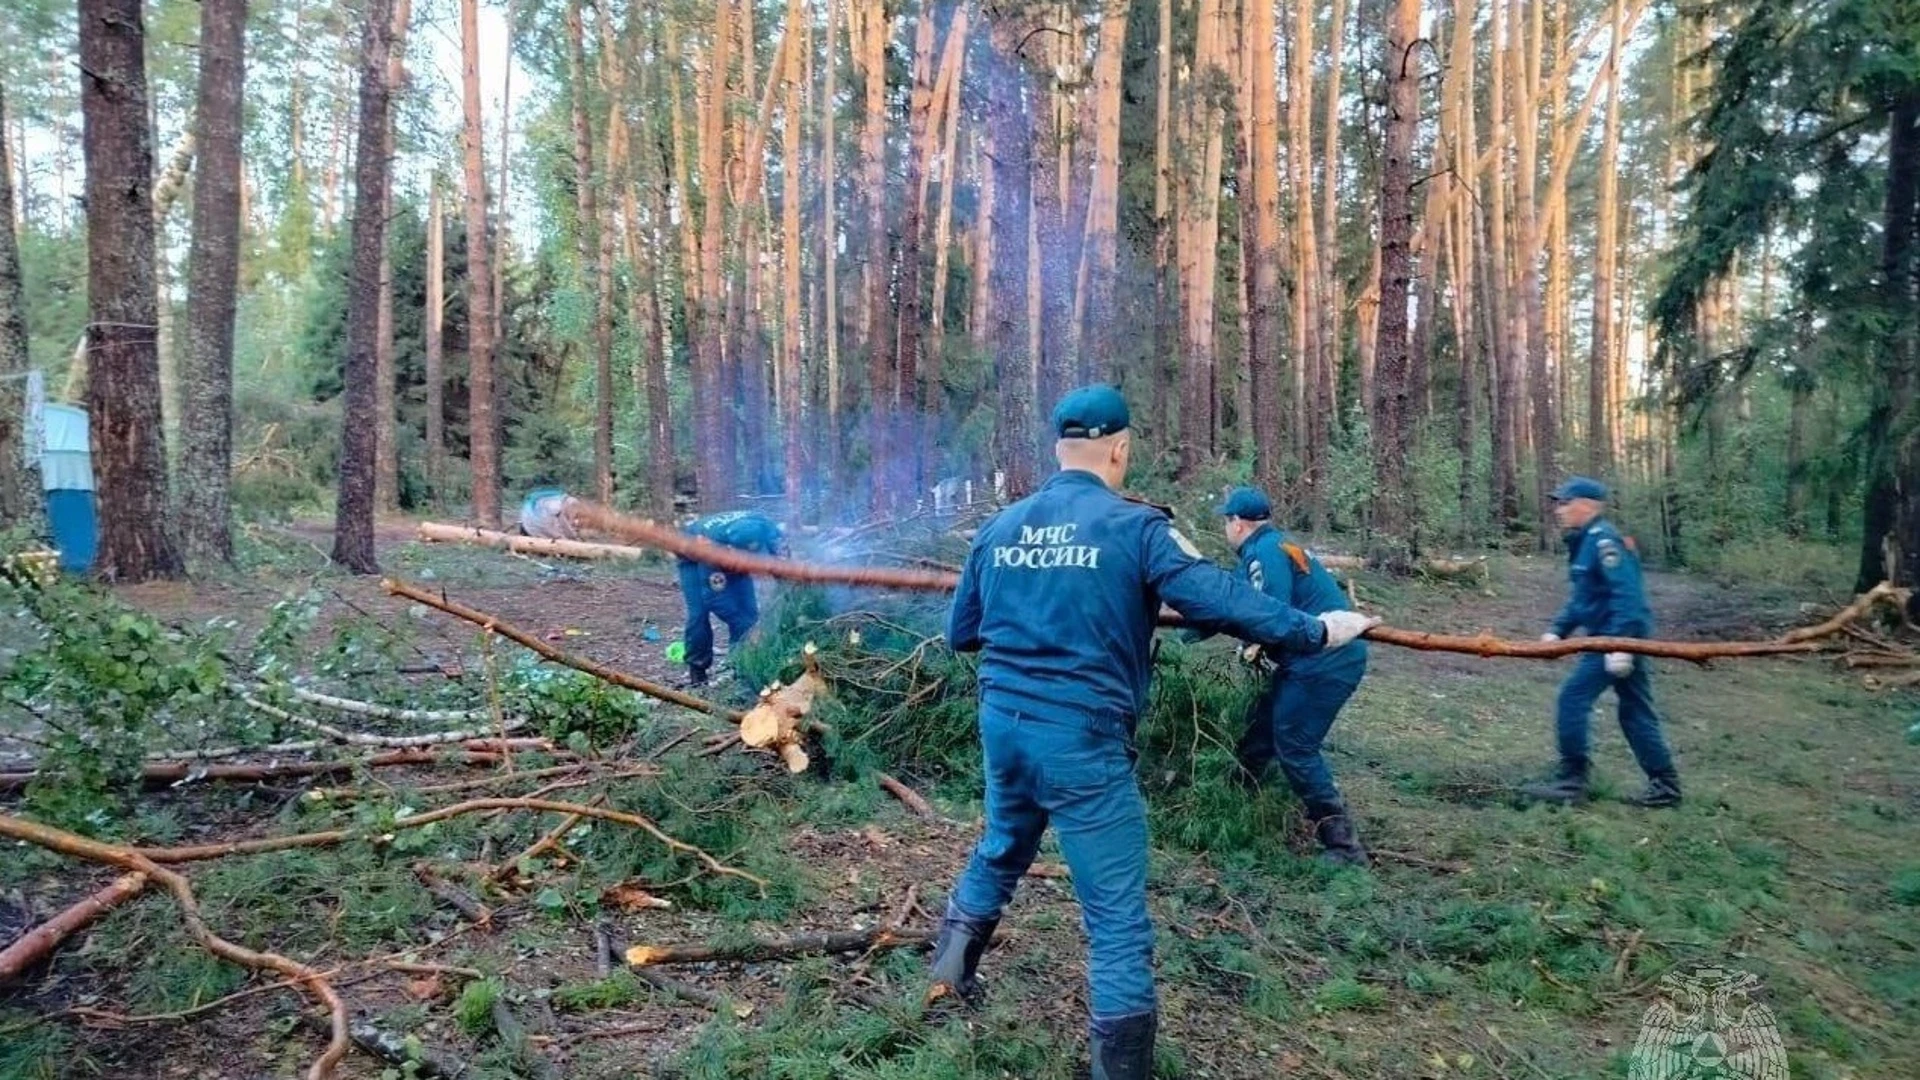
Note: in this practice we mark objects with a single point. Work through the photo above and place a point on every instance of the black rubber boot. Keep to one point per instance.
(1122, 1048)
(1340, 841)
(956, 957)
(1661, 791)
(1568, 785)
(696, 676)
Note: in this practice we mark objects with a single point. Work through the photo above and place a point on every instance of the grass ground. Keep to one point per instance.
(1493, 939)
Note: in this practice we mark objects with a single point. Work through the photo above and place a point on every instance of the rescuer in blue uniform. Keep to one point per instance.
(716, 593)
(1060, 595)
(1291, 718)
(1608, 600)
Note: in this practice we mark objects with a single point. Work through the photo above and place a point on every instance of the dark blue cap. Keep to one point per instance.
(1580, 487)
(1091, 412)
(1246, 502)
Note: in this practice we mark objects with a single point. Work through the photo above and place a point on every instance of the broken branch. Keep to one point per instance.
(164, 774)
(433, 531)
(314, 982)
(914, 800)
(356, 738)
(38, 943)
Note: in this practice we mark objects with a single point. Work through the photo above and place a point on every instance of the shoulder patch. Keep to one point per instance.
(1610, 553)
(1186, 545)
(1257, 574)
(1298, 554)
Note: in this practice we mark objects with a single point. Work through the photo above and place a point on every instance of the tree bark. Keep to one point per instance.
(1311, 425)
(1263, 285)
(830, 242)
(712, 465)
(20, 494)
(435, 319)
(213, 274)
(1890, 544)
(904, 476)
(386, 457)
(586, 230)
(942, 237)
(353, 515)
(1394, 514)
(1600, 393)
(1010, 129)
(791, 265)
(882, 375)
(1503, 371)
(123, 384)
(483, 428)
(1197, 202)
(1094, 315)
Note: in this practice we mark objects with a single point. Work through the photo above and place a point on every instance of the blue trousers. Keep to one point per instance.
(1076, 775)
(1638, 720)
(1289, 721)
(732, 602)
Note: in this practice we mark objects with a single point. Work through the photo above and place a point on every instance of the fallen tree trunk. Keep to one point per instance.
(313, 981)
(435, 532)
(164, 774)
(1486, 645)
(531, 641)
(39, 943)
(886, 937)
(357, 738)
(387, 712)
(701, 550)
(201, 852)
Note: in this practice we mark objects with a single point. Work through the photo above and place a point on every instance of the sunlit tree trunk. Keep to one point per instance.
(1394, 512)
(386, 460)
(1600, 391)
(482, 427)
(20, 494)
(712, 464)
(435, 319)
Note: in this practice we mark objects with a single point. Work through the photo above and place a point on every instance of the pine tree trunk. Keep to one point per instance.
(1600, 390)
(1890, 544)
(386, 459)
(1094, 330)
(586, 232)
(435, 319)
(1163, 368)
(1263, 284)
(791, 267)
(712, 464)
(166, 191)
(1800, 389)
(1312, 424)
(482, 426)
(20, 494)
(123, 384)
(882, 391)
(662, 454)
(1327, 290)
(502, 227)
(942, 237)
(904, 472)
(1011, 130)
(353, 514)
(1197, 201)
(1394, 514)
(1504, 370)
(213, 274)
(830, 243)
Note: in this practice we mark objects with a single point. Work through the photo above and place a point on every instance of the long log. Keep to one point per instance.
(201, 852)
(436, 532)
(701, 550)
(531, 641)
(1486, 645)
(313, 981)
(38, 943)
(886, 937)
(164, 774)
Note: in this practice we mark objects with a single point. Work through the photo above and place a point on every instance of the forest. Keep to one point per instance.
(315, 768)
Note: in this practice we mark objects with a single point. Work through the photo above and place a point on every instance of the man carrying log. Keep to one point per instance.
(1290, 719)
(1060, 594)
(1609, 599)
(714, 593)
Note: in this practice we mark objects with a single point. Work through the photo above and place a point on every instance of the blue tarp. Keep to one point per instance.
(66, 473)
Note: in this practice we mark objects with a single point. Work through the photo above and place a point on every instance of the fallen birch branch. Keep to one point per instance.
(393, 1049)
(357, 738)
(201, 852)
(387, 712)
(314, 982)
(39, 943)
(885, 937)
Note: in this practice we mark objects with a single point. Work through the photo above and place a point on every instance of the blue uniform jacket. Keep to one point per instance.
(1288, 572)
(1608, 596)
(1061, 591)
(742, 529)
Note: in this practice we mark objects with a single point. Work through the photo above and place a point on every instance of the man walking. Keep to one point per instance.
(1609, 600)
(1291, 718)
(1060, 594)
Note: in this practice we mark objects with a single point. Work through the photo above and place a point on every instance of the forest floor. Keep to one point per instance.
(1491, 939)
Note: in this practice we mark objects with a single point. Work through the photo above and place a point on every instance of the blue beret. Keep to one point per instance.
(1091, 412)
(1246, 502)
(1580, 487)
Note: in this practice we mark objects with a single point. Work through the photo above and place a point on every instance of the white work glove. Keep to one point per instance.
(1250, 654)
(1619, 664)
(1549, 636)
(1344, 626)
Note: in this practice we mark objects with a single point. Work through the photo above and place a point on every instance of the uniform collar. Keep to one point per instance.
(1259, 530)
(1076, 476)
(1577, 537)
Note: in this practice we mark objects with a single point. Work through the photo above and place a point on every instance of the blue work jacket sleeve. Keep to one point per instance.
(1211, 597)
(1572, 616)
(963, 619)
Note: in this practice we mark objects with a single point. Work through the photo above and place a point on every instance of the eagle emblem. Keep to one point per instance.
(1257, 574)
(1706, 1026)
